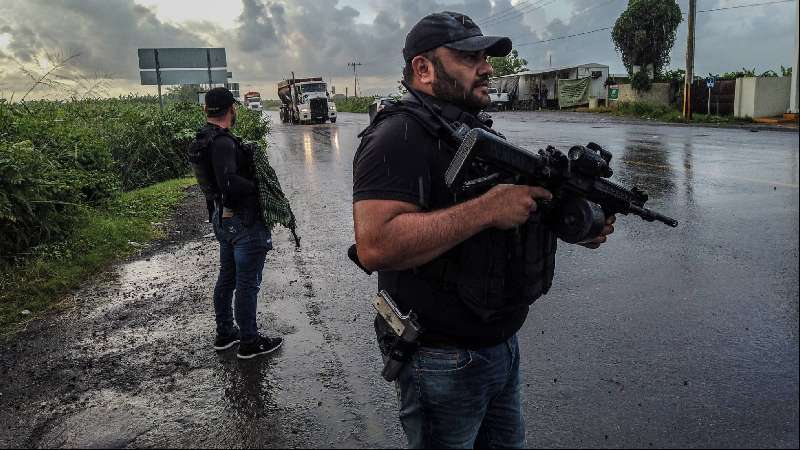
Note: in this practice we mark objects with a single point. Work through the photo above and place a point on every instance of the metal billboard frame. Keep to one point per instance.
(182, 66)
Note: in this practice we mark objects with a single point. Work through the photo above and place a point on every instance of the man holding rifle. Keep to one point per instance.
(468, 270)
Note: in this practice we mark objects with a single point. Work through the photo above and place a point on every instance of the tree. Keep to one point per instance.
(507, 65)
(645, 33)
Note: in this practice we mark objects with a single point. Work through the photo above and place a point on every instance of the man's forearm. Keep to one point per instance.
(415, 238)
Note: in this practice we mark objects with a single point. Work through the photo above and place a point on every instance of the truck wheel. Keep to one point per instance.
(333, 120)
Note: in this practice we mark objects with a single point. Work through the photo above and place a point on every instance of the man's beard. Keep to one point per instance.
(449, 89)
(233, 120)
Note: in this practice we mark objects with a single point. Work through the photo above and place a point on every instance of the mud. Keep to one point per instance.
(130, 364)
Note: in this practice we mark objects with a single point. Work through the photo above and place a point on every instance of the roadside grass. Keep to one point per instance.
(649, 111)
(354, 104)
(271, 105)
(102, 235)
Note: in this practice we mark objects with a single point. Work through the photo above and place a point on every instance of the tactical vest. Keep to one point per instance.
(496, 271)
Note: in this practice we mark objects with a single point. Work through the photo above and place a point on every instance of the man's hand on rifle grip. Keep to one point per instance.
(608, 229)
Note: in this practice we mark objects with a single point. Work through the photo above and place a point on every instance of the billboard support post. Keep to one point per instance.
(158, 81)
(208, 60)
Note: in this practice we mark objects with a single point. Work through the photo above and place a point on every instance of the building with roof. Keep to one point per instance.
(528, 90)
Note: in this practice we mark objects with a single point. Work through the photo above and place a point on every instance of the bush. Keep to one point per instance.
(354, 104)
(37, 200)
(643, 109)
(56, 156)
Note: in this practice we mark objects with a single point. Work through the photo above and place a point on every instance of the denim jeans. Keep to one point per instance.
(242, 252)
(458, 398)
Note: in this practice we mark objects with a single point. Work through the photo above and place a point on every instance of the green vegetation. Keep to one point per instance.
(102, 235)
(273, 105)
(70, 174)
(785, 72)
(662, 113)
(354, 104)
(507, 65)
(644, 35)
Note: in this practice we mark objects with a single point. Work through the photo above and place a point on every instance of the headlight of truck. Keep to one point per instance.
(332, 107)
(305, 109)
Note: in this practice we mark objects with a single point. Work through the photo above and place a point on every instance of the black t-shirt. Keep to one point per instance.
(400, 160)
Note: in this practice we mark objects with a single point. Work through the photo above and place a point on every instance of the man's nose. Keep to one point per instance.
(485, 68)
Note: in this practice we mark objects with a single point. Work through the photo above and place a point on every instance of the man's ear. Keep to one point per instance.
(423, 68)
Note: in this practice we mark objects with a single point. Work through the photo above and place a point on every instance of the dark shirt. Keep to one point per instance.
(234, 174)
(400, 160)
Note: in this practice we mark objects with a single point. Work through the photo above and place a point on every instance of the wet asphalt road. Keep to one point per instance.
(664, 337)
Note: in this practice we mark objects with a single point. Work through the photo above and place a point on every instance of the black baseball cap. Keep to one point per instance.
(218, 100)
(452, 30)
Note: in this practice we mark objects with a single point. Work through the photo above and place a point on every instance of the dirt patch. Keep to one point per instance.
(189, 222)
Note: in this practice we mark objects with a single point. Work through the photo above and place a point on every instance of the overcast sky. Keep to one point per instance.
(267, 39)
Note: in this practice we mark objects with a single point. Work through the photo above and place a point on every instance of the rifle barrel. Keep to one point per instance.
(650, 215)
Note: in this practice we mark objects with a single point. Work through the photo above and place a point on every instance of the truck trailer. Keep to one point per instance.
(305, 100)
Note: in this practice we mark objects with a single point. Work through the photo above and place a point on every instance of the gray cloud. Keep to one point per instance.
(105, 33)
(272, 38)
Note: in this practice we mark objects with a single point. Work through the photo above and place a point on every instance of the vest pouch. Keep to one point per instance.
(481, 278)
(533, 266)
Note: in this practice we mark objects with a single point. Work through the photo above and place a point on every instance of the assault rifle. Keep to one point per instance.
(582, 194)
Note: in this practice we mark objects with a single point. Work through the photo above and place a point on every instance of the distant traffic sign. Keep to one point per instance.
(710, 82)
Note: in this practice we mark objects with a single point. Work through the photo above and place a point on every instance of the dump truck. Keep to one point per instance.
(305, 100)
(252, 101)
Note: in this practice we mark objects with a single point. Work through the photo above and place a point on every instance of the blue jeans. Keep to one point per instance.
(242, 252)
(458, 398)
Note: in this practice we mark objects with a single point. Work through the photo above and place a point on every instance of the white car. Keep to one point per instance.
(378, 106)
(499, 99)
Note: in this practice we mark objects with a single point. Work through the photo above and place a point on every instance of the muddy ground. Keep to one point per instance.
(127, 362)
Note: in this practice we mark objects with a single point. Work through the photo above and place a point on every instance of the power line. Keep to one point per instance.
(518, 12)
(595, 6)
(610, 27)
(745, 6)
(509, 11)
(563, 37)
(500, 13)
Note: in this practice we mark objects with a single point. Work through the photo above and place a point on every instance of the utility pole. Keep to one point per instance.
(793, 101)
(355, 64)
(687, 83)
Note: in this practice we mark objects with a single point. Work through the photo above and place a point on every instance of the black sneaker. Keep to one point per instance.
(261, 346)
(227, 341)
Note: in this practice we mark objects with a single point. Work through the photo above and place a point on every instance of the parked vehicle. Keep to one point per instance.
(378, 105)
(252, 101)
(499, 99)
(305, 100)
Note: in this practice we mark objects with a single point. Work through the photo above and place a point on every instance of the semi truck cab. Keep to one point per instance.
(306, 101)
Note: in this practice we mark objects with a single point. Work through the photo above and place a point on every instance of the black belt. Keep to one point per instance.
(438, 340)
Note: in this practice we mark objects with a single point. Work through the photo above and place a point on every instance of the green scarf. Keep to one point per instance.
(275, 207)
